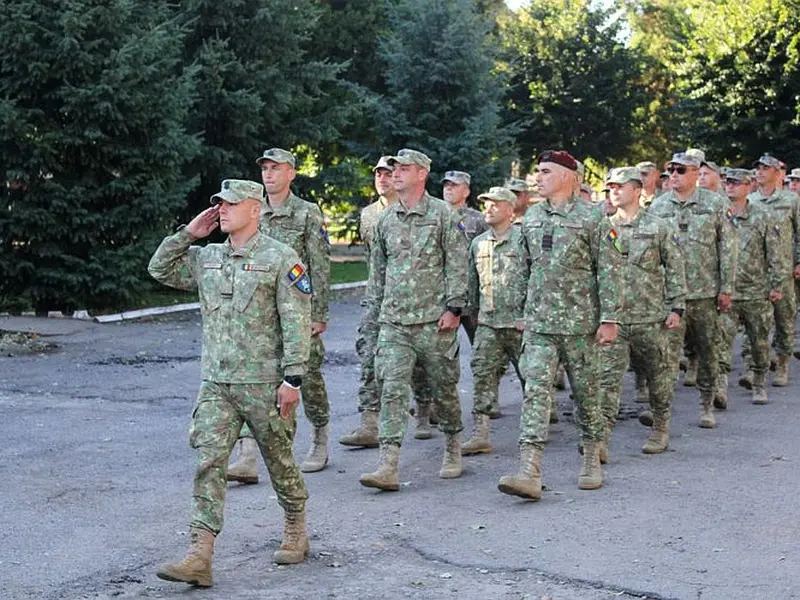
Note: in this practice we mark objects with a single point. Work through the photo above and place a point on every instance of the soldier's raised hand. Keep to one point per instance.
(204, 223)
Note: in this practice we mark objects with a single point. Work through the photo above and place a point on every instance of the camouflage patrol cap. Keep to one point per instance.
(383, 163)
(697, 153)
(740, 175)
(713, 166)
(406, 156)
(685, 159)
(277, 155)
(768, 161)
(646, 166)
(499, 194)
(516, 185)
(795, 174)
(234, 191)
(585, 187)
(457, 177)
(623, 175)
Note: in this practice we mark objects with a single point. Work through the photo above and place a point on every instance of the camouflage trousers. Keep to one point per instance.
(400, 348)
(313, 392)
(756, 315)
(645, 345)
(368, 393)
(420, 388)
(783, 315)
(699, 330)
(218, 415)
(491, 353)
(541, 354)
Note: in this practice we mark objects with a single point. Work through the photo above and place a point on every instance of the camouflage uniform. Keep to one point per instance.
(497, 279)
(256, 330)
(763, 265)
(654, 283)
(419, 262)
(572, 287)
(709, 244)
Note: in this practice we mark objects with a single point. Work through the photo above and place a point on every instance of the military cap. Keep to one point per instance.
(738, 174)
(559, 157)
(698, 154)
(277, 155)
(585, 187)
(457, 177)
(664, 175)
(624, 175)
(713, 166)
(383, 163)
(516, 185)
(234, 191)
(499, 194)
(795, 174)
(407, 156)
(646, 166)
(685, 159)
(768, 161)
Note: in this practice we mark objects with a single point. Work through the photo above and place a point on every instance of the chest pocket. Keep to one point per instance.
(424, 236)
(782, 214)
(214, 283)
(533, 232)
(287, 231)
(246, 283)
(644, 251)
(572, 240)
(702, 227)
(747, 235)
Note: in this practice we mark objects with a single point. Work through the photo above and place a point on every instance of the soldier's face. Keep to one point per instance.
(383, 182)
(649, 177)
(736, 190)
(408, 177)
(553, 179)
(624, 195)
(455, 193)
(277, 177)
(235, 217)
(522, 203)
(794, 185)
(708, 179)
(497, 213)
(682, 178)
(766, 176)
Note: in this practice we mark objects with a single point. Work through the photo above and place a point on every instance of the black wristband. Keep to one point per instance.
(678, 311)
(456, 310)
(294, 381)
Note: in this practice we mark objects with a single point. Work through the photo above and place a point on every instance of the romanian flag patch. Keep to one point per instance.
(299, 278)
(613, 239)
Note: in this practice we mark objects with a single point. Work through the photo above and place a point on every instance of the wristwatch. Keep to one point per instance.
(293, 381)
(456, 310)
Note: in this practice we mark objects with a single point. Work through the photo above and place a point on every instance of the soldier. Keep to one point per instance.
(654, 289)
(709, 245)
(523, 194)
(794, 181)
(649, 174)
(572, 306)
(587, 192)
(497, 285)
(710, 177)
(785, 208)
(762, 272)
(369, 401)
(255, 302)
(417, 290)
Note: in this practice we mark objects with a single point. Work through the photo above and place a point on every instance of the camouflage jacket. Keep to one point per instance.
(707, 238)
(497, 278)
(300, 224)
(763, 264)
(419, 263)
(574, 282)
(369, 220)
(785, 208)
(472, 222)
(653, 276)
(255, 303)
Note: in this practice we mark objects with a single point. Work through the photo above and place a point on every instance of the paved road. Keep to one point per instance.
(96, 479)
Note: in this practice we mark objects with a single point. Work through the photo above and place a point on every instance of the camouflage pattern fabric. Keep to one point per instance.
(369, 221)
(256, 317)
(219, 413)
(756, 315)
(400, 347)
(472, 222)
(494, 348)
(699, 329)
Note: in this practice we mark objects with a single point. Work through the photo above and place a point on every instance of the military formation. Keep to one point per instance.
(552, 278)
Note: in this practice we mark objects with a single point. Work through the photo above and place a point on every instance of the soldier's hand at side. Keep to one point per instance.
(673, 321)
(775, 296)
(448, 322)
(797, 272)
(724, 302)
(520, 325)
(318, 327)
(204, 223)
(288, 397)
(606, 333)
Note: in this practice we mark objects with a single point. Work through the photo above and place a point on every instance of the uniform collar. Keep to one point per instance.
(632, 223)
(419, 209)
(568, 207)
(284, 209)
(245, 251)
(692, 199)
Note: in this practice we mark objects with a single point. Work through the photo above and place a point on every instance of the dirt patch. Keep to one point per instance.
(13, 343)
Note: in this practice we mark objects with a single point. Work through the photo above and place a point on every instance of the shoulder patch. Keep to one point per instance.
(323, 231)
(298, 278)
(676, 238)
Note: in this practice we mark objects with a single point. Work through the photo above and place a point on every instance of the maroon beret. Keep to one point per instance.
(559, 157)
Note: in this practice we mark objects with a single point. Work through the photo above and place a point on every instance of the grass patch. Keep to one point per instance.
(348, 272)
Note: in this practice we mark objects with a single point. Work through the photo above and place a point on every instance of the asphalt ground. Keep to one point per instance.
(95, 485)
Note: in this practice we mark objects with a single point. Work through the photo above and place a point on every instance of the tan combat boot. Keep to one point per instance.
(423, 429)
(690, 378)
(366, 436)
(721, 395)
(560, 381)
(451, 463)
(746, 380)
(553, 411)
(642, 389)
(495, 412)
(646, 417)
(385, 478)
(658, 441)
(781, 377)
(481, 440)
(317, 457)
(605, 443)
(759, 388)
(707, 420)
(245, 469)
(528, 482)
(294, 547)
(591, 476)
(195, 568)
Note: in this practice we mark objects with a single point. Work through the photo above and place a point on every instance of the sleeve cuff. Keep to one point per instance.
(294, 370)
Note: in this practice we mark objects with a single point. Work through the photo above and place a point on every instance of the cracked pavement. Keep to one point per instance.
(97, 472)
